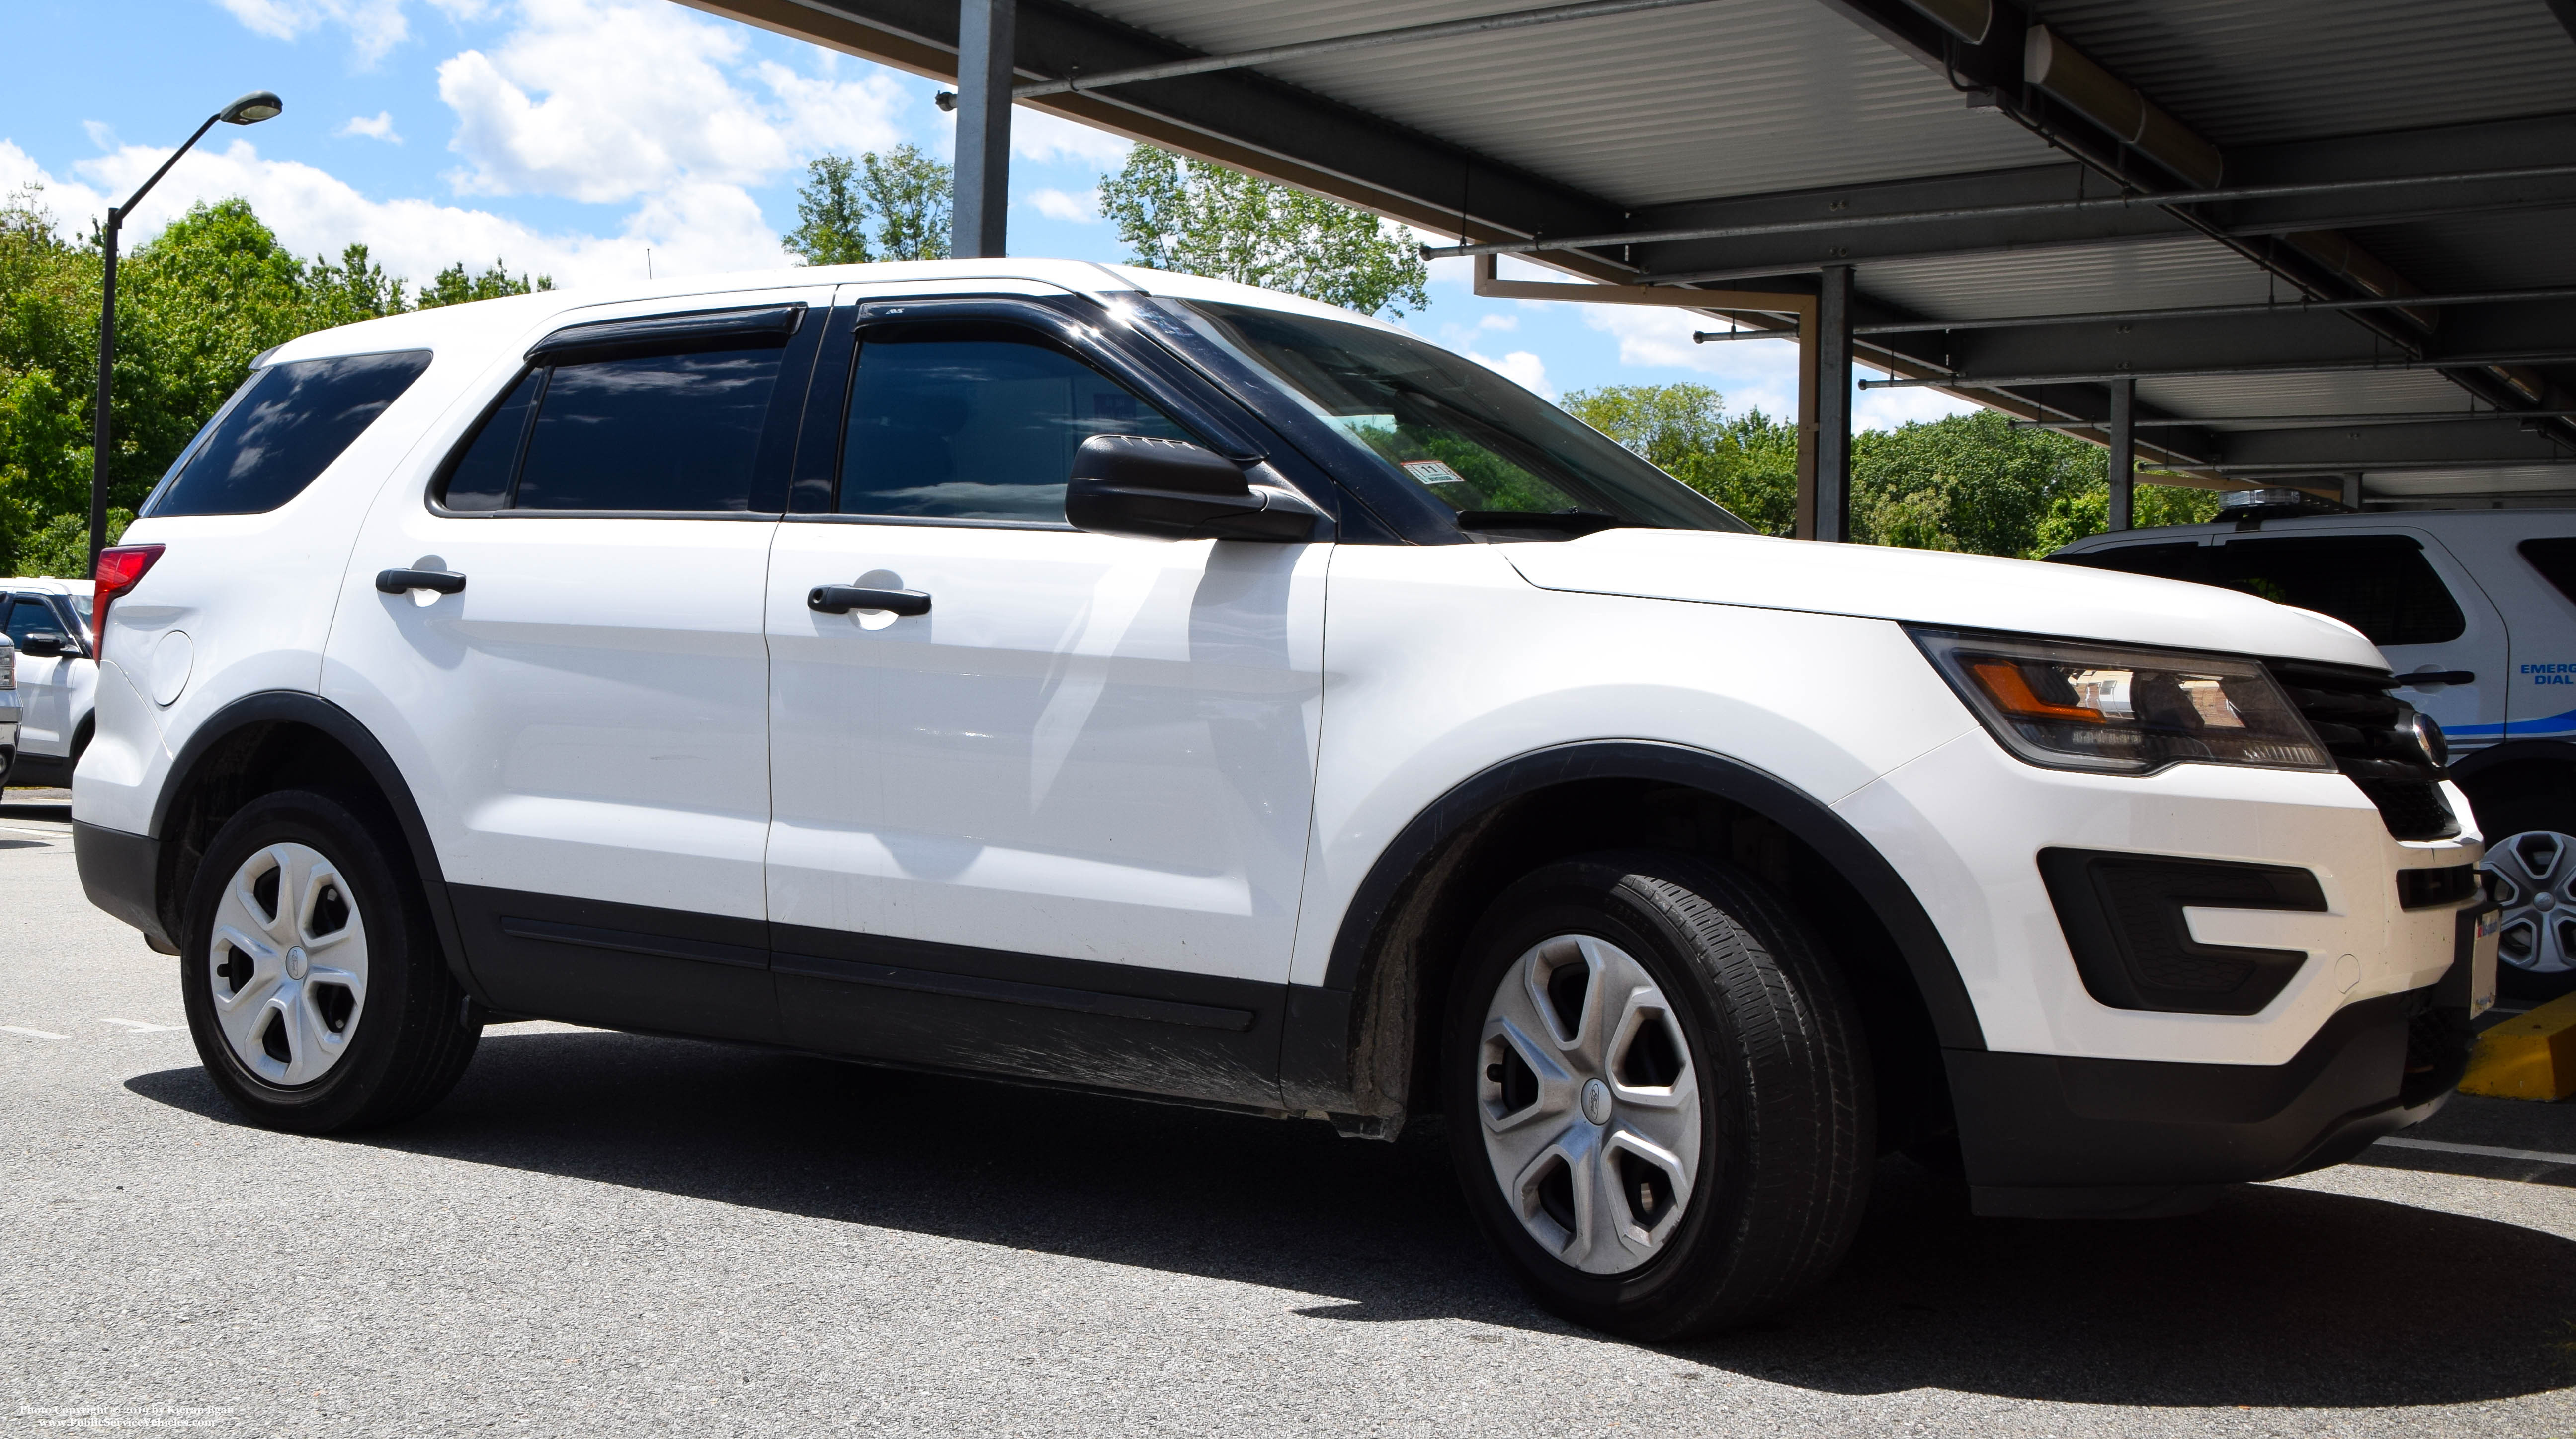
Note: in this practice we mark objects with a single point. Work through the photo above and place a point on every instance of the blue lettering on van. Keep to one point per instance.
(2551, 674)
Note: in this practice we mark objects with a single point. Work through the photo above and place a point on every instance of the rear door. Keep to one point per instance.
(585, 721)
(1056, 824)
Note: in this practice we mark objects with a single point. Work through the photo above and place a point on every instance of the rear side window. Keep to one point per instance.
(2380, 585)
(668, 433)
(975, 421)
(291, 423)
(2556, 561)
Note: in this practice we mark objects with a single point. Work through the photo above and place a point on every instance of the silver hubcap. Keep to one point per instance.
(2536, 882)
(288, 964)
(1590, 1104)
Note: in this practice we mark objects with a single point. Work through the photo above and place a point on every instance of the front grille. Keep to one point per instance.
(2360, 723)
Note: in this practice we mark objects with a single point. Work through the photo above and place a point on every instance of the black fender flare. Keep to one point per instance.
(2512, 751)
(1891, 900)
(299, 707)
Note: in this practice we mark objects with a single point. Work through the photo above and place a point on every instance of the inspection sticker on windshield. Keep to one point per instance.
(1432, 472)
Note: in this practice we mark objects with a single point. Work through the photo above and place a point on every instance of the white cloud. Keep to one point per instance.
(1521, 368)
(1050, 139)
(70, 202)
(379, 128)
(1887, 409)
(557, 107)
(375, 26)
(693, 227)
(1498, 322)
(1081, 209)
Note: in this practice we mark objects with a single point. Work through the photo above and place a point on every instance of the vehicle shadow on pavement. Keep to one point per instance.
(2278, 1297)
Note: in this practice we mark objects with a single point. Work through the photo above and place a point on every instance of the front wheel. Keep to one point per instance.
(1658, 1098)
(315, 986)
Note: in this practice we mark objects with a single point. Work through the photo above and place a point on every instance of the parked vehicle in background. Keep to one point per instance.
(2476, 613)
(48, 620)
(926, 664)
(9, 708)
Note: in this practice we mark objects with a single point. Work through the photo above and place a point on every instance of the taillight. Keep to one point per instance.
(119, 569)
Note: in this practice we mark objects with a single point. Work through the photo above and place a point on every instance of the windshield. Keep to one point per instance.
(1501, 457)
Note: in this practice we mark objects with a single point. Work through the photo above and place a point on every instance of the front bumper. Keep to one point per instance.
(2050, 1136)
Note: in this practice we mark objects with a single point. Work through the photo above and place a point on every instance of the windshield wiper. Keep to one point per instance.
(1569, 523)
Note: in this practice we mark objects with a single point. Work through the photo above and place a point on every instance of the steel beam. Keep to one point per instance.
(1825, 413)
(980, 217)
(2104, 377)
(2123, 471)
(2379, 447)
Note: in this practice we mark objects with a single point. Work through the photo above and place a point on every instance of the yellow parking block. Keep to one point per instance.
(2530, 1056)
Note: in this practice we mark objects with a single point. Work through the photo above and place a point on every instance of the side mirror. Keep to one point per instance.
(42, 644)
(1149, 489)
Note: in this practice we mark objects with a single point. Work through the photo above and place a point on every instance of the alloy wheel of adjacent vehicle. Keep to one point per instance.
(1589, 1103)
(1658, 1100)
(316, 988)
(2535, 880)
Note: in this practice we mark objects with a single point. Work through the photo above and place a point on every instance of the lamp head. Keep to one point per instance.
(252, 108)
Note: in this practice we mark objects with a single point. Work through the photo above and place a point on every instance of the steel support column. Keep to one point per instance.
(2124, 453)
(1825, 411)
(985, 32)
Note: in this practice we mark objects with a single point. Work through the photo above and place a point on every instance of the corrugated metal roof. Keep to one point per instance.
(2262, 71)
(2332, 393)
(2442, 484)
(1742, 97)
(2188, 271)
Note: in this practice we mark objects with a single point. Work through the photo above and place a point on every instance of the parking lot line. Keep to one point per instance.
(136, 1026)
(2489, 1151)
(36, 1033)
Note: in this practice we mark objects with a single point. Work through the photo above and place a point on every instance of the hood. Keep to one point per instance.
(1930, 587)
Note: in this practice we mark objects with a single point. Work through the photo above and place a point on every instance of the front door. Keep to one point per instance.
(585, 721)
(44, 682)
(1056, 824)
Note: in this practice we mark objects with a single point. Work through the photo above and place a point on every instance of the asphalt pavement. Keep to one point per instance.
(601, 1233)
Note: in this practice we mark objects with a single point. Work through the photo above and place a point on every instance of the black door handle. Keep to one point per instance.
(2422, 678)
(397, 582)
(841, 599)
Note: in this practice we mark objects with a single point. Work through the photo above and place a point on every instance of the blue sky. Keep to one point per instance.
(568, 137)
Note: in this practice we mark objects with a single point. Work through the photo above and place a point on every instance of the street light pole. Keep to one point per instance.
(250, 109)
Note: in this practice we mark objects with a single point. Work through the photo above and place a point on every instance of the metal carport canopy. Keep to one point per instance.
(2188, 214)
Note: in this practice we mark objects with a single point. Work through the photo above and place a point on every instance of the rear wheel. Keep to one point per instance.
(1659, 1102)
(315, 986)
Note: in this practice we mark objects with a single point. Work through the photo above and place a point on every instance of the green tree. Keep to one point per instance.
(1973, 482)
(1747, 462)
(899, 200)
(452, 286)
(1200, 219)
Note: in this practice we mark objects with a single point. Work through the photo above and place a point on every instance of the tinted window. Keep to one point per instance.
(654, 432)
(291, 424)
(30, 614)
(975, 422)
(2380, 585)
(480, 479)
(2556, 561)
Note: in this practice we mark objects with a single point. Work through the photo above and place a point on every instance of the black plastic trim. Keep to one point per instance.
(624, 966)
(629, 942)
(298, 707)
(121, 874)
(2056, 1134)
(2440, 887)
(741, 327)
(2114, 944)
(1926, 954)
(1007, 991)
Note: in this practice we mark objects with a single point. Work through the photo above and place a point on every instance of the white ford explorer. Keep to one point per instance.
(1144, 683)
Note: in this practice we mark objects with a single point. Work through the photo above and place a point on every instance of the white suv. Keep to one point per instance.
(48, 620)
(2476, 611)
(1150, 684)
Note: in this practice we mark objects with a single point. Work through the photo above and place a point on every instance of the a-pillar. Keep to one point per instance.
(984, 76)
(2124, 453)
(1825, 411)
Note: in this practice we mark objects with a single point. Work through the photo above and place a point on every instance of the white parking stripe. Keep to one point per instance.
(136, 1026)
(2488, 1151)
(47, 833)
(37, 1033)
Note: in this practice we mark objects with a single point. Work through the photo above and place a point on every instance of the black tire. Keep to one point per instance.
(411, 1041)
(2516, 800)
(1786, 1111)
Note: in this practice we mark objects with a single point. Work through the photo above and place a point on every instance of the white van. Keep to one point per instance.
(48, 620)
(1099, 677)
(2475, 610)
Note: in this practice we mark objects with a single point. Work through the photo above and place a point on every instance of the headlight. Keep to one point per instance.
(2116, 710)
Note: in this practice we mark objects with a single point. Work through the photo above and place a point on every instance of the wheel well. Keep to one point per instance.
(1404, 992)
(256, 759)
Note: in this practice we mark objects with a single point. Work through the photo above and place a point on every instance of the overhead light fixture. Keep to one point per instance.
(2072, 78)
(252, 108)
